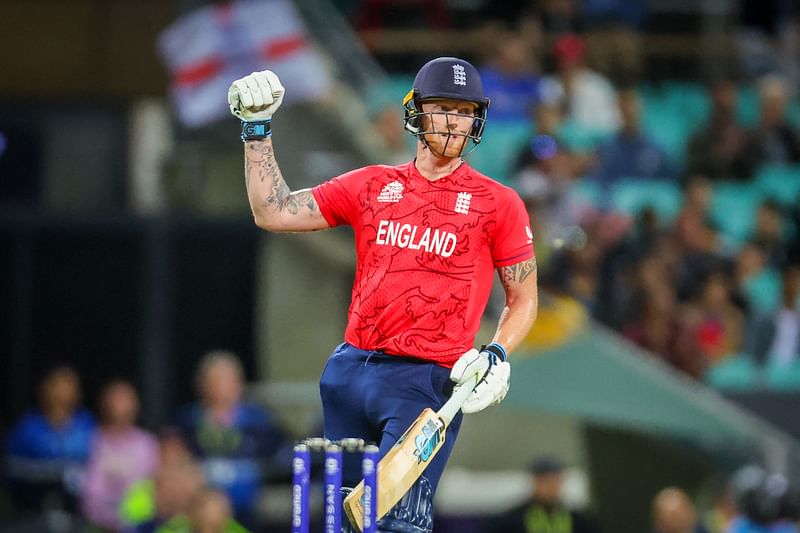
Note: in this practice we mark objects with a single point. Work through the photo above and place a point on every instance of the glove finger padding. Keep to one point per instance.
(255, 97)
(245, 98)
(276, 89)
(470, 364)
(491, 390)
(257, 92)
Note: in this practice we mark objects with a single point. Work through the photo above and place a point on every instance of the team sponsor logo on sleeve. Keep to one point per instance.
(391, 192)
(434, 241)
(462, 203)
(529, 233)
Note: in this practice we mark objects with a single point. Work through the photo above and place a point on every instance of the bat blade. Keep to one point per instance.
(400, 468)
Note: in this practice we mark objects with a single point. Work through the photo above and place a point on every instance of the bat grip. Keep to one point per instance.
(450, 409)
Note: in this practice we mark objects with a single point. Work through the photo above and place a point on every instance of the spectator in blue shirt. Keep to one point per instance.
(510, 79)
(630, 153)
(237, 442)
(47, 449)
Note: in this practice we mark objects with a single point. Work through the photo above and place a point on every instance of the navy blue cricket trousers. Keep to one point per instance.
(376, 397)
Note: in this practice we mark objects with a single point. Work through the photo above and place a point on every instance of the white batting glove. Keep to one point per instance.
(470, 364)
(493, 372)
(491, 390)
(256, 97)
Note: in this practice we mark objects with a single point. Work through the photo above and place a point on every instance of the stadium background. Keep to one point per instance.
(127, 250)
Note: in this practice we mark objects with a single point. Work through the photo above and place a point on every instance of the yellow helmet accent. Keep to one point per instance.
(408, 97)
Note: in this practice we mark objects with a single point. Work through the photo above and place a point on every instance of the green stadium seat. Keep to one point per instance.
(668, 128)
(632, 195)
(781, 182)
(747, 106)
(733, 208)
(763, 291)
(737, 372)
(687, 99)
(497, 153)
(793, 113)
(783, 378)
(587, 192)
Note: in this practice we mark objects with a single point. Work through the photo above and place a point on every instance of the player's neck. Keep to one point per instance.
(433, 167)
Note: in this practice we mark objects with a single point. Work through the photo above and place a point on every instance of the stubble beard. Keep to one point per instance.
(446, 145)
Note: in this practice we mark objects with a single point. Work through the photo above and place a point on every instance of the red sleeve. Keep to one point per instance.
(513, 238)
(338, 198)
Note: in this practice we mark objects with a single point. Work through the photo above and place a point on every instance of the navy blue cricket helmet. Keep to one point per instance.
(451, 78)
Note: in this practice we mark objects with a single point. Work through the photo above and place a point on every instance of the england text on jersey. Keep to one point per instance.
(405, 236)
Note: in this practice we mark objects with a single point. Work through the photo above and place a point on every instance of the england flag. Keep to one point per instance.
(209, 48)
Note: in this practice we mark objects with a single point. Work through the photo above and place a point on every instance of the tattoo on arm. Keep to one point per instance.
(519, 272)
(262, 165)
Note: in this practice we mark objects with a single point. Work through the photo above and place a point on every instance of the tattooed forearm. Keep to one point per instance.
(271, 195)
(275, 207)
(520, 272)
(261, 164)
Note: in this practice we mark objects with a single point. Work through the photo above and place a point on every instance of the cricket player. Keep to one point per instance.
(429, 235)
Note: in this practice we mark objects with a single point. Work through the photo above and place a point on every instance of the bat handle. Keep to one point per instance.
(450, 409)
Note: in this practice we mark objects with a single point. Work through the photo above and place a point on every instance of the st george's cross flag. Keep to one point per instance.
(209, 48)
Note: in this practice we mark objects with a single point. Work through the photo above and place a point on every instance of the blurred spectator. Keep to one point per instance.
(674, 512)
(587, 96)
(510, 79)
(48, 447)
(544, 512)
(777, 338)
(697, 194)
(211, 512)
(236, 441)
(719, 331)
(387, 122)
(561, 16)
(631, 153)
(767, 502)
(759, 24)
(718, 150)
(659, 327)
(576, 269)
(619, 286)
(121, 455)
(138, 503)
(769, 233)
(756, 281)
(775, 140)
(166, 498)
(545, 168)
(722, 513)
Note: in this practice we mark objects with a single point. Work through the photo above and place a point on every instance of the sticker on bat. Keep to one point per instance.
(427, 442)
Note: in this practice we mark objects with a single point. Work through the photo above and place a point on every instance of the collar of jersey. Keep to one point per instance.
(415, 174)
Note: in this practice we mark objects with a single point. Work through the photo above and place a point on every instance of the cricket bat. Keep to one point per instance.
(404, 463)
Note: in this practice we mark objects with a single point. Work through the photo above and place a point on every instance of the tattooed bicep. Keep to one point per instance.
(300, 202)
(518, 273)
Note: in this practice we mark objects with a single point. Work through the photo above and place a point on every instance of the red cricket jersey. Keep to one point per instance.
(426, 253)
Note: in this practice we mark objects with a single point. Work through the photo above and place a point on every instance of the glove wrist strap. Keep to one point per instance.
(256, 130)
(497, 350)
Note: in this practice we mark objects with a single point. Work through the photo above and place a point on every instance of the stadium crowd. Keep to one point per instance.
(209, 472)
(67, 471)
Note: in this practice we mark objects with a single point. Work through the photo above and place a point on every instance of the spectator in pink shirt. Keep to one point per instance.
(121, 454)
